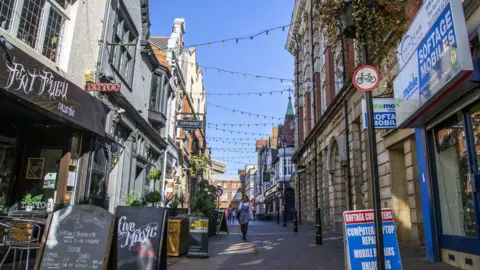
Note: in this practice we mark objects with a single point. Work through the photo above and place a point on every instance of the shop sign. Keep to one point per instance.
(189, 124)
(441, 58)
(418, 29)
(383, 113)
(361, 241)
(104, 87)
(33, 82)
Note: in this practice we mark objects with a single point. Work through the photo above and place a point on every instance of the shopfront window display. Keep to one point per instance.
(456, 196)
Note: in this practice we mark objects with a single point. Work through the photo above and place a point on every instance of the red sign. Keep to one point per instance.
(366, 78)
(104, 87)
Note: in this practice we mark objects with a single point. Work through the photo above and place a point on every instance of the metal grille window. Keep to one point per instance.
(30, 21)
(6, 13)
(38, 23)
(51, 44)
(124, 47)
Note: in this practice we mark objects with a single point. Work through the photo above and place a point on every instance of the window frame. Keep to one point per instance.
(48, 7)
(115, 61)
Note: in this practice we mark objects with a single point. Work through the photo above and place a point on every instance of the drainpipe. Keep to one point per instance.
(347, 171)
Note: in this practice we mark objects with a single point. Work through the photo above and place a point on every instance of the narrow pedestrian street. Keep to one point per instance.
(271, 246)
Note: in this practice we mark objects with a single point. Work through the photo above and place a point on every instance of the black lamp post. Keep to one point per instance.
(348, 29)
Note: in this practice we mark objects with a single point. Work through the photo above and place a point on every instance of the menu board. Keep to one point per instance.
(77, 237)
(140, 237)
(198, 238)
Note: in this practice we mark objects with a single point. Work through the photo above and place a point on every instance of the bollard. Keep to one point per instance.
(278, 217)
(295, 221)
(318, 225)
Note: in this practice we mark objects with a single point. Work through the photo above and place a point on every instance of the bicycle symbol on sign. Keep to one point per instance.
(366, 78)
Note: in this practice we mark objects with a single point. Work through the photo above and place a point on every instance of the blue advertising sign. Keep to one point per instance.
(383, 113)
(361, 241)
(441, 58)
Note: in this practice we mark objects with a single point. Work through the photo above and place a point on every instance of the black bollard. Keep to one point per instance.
(278, 217)
(318, 225)
(295, 221)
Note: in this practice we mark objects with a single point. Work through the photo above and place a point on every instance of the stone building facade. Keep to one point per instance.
(332, 153)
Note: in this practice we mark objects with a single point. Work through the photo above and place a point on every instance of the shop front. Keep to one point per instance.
(49, 132)
(437, 93)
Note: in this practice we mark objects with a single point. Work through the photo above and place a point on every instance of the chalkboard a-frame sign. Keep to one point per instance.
(77, 237)
(141, 239)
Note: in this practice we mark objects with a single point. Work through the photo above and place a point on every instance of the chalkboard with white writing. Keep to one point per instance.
(140, 238)
(77, 237)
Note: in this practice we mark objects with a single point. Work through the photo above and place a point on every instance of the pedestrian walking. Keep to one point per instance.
(234, 216)
(254, 214)
(229, 214)
(245, 215)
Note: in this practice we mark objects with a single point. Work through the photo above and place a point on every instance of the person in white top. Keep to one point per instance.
(234, 214)
(245, 214)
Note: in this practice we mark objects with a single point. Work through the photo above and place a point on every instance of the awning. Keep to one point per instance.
(25, 77)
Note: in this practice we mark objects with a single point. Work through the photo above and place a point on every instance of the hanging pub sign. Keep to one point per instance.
(435, 59)
(383, 113)
(140, 237)
(360, 240)
(104, 87)
(26, 78)
(189, 124)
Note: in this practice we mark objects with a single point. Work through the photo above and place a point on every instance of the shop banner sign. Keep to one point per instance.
(383, 113)
(423, 21)
(440, 59)
(360, 249)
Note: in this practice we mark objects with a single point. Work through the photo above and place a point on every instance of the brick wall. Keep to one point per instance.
(349, 55)
(308, 113)
(330, 77)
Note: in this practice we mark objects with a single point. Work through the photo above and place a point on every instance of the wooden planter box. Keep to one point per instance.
(177, 237)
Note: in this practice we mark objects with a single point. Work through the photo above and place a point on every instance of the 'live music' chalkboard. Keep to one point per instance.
(140, 238)
(79, 237)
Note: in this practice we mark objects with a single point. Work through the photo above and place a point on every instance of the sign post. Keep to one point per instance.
(360, 244)
(366, 78)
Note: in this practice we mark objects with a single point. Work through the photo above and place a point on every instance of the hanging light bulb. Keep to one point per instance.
(209, 45)
(223, 42)
(283, 28)
(236, 40)
(251, 38)
(266, 32)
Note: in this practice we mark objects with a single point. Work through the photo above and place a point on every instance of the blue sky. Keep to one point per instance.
(210, 20)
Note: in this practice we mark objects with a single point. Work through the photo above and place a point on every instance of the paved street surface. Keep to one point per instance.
(271, 246)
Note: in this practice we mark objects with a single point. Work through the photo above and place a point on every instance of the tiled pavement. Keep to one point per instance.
(271, 246)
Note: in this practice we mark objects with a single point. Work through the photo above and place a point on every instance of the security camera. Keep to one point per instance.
(121, 111)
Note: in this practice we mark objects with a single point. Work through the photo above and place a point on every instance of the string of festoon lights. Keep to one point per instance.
(246, 113)
(236, 143)
(239, 132)
(238, 39)
(242, 125)
(264, 93)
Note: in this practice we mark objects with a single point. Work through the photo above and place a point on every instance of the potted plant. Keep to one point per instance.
(30, 201)
(204, 203)
(178, 235)
(153, 198)
(133, 200)
(154, 175)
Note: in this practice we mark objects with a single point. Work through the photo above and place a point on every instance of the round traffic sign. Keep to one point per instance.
(278, 194)
(366, 78)
(219, 192)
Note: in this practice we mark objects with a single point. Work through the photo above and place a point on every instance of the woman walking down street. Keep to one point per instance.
(245, 214)
(234, 214)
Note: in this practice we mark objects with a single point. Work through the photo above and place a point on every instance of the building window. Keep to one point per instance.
(122, 56)
(289, 167)
(225, 185)
(198, 105)
(234, 185)
(339, 69)
(38, 23)
(99, 170)
(155, 90)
